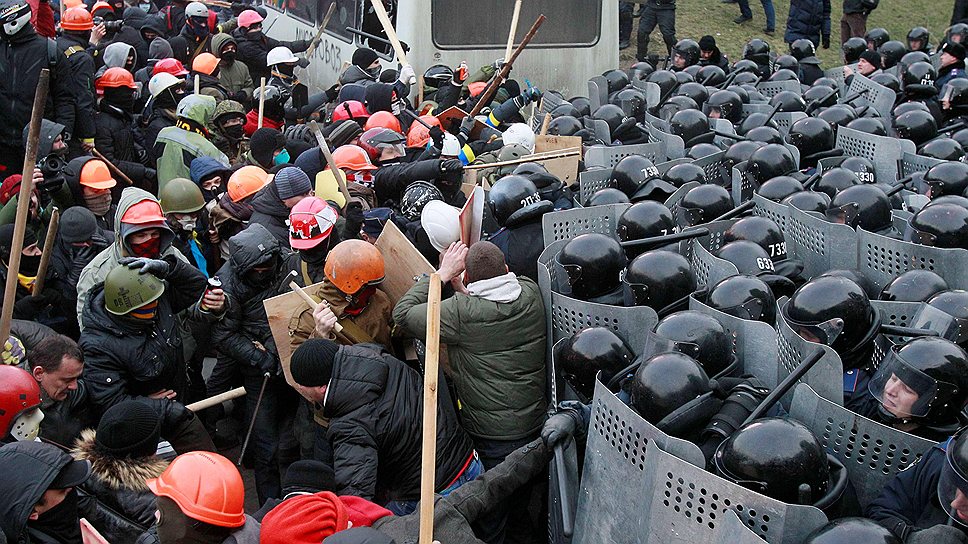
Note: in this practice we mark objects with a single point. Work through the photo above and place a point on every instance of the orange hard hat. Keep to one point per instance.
(476, 88)
(73, 3)
(206, 487)
(205, 63)
(77, 18)
(246, 181)
(352, 157)
(383, 119)
(419, 135)
(95, 174)
(113, 78)
(354, 264)
(146, 211)
(101, 5)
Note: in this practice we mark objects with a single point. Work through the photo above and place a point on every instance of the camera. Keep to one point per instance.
(110, 26)
(52, 167)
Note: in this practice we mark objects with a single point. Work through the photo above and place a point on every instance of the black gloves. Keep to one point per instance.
(354, 212)
(467, 126)
(155, 267)
(826, 41)
(529, 95)
(302, 62)
(29, 306)
(567, 422)
(448, 166)
(437, 135)
(240, 96)
(267, 363)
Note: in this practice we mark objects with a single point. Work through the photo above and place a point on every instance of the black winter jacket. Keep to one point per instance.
(253, 51)
(522, 242)
(115, 140)
(375, 406)
(82, 82)
(808, 19)
(861, 6)
(271, 213)
(390, 180)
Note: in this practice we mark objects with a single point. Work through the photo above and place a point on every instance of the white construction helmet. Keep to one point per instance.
(521, 134)
(161, 82)
(441, 222)
(196, 9)
(451, 145)
(280, 55)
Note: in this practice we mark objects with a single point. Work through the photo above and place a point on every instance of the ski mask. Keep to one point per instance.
(198, 27)
(316, 255)
(175, 526)
(29, 264)
(236, 132)
(229, 56)
(120, 97)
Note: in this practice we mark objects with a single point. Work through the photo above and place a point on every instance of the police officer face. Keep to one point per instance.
(960, 505)
(948, 59)
(680, 61)
(899, 398)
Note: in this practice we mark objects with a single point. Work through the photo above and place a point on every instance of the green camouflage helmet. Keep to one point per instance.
(226, 108)
(125, 289)
(181, 196)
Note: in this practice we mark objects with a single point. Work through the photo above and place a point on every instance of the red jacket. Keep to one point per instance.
(42, 17)
(252, 122)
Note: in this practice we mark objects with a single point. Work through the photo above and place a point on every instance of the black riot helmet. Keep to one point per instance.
(666, 81)
(739, 152)
(788, 101)
(811, 136)
(437, 75)
(696, 91)
(631, 100)
(917, 126)
(761, 230)
(702, 204)
(954, 476)
(802, 48)
(777, 457)
(838, 115)
(714, 345)
(611, 114)
(946, 149)
(688, 50)
(870, 125)
(770, 161)
(674, 105)
(835, 180)
(862, 167)
(914, 286)
(645, 219)
(954, 96)
(917, 39)
(946, 313)
(767, 135)
(684, 76)
(910, 58)
(692, 126)
(779, 187)
(857, 277)
(784, 74)
(608, 195)
(640, 71)
(565, 109)
(961, 137)
(957, 29)
(664, 382)
(888, 80)
(582, 104)
(754, 120)
(582, 355)
(699, 151)
(852, 49)
(617, 80)
(745, 297)
(564, 126)
(808, 201)
(748, 257)
(935, 370)
(819, 96)
(682, 174)
(947, 178)
(740, 91)
(826, 82)
(593, 263)
(745, 65)
(891, 53)
(711, 76)
(864, 205)
(726, 104)
(875, 38)
(658, 279)
(757, 51)
(510, 196)
(786, 62)
(852, 531)
(832, 310)
(939, 225)
(905, 107)
(919, 78)
(632, 172)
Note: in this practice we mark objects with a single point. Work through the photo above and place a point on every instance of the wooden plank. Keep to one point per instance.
(565, 168)
(280, 310)
(404, 264)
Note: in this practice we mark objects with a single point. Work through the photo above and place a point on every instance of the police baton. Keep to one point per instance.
(255, 414)
(737, 211)
(784, 387)
(655, 241)
(567, 520)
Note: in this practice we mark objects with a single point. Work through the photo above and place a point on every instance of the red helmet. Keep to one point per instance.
(170, 66)
(310, 222)
(144, 212)
(77, 18)
(19, 393)
(351, 109)
(383, 119)
(373, 141)
(113, 78)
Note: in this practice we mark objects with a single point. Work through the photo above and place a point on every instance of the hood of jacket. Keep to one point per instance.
(359, 378)
(116, 54)
(267, 201)
(134, 17)
(28, 468)
(48, 131)
(72, 175)
(158, 49)
(203, 167)
(156, 24)
(252, 246)
(218, 42)
(118, 472)
(129, 197)
(355, 74)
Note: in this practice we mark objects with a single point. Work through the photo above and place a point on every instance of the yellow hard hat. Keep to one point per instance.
(328, 189)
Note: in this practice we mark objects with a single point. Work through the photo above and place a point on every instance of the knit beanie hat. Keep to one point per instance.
(130, 428)
(707, 43)
(264, 142)
(364, 57)
(292, 181)
(77, 224)
(306, 519)
(10, 188)
(873, 58)
(312, 362)
(308, 475)
(954, 49)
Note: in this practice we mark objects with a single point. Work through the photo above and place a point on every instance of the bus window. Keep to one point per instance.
(304, 10)
(312, 11)
(468, 32)
(372, 25)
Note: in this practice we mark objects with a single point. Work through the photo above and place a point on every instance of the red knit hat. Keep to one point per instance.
(9, 188)
(306, 519)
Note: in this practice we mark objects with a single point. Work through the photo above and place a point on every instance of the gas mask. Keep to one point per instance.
(26, 426)
(186, 224)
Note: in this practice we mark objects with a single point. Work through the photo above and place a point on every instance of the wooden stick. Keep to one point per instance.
(545, 124)
(23, 203)
(114, 169)
(319, 33)
(428, 457)
(514, 27)
(381, 14)
(262, 99)
(198, 85)
(48, 250)
(309, 300)
(337, 172)
(217, 399)
(499, 77)
(528, 158)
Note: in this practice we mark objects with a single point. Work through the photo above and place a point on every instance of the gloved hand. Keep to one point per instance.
(267, 363)
(437, 136)
(300, 45)
(29, 306)
(451, 165)
(151, 175)
(302, 62)
(530, 94)
(498, 64)
(558, 428)
(228, 26)
(467, 126)
(826, 41)
(240, 96)
(406, 74)
(354, 212)
(13, 351)
(155, 267)
(939, 534)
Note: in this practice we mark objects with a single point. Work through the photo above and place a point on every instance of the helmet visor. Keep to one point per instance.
(953, 491)
(573, 271)
(845, 215)
(655, 344)
(921, 237)
(902, 389)
(751, 309)
(949, 327)
(687, 217)
(825, 332)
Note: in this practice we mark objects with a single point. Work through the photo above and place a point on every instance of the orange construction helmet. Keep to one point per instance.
(205, 63)
(146, 211)
(77, 19)
(113, 78)
(383, 119)
(101, 5)
(354, 264)
(352, 157)
(419, 135)
(206, 487)
(246, 181)
(95, 174)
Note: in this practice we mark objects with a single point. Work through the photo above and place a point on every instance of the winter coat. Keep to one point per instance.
(808, 19)
(253, 51)
(947, 73)
(125, 506)
(375, 406)
(82, 83)
(175, 147)
(65, 420)
(390, 180)
(22, 57)
(865, 6)
(522, 241)
(209, 86)
(271, 213)
(497, 353)
(158, 120)
(186, 47)
(375, 320)
(910, 501)
(115, 140)
(235, 76)
(28, 469)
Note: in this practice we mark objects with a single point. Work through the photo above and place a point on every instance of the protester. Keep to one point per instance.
(57, 364)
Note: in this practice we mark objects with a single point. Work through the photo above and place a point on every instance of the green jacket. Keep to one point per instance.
(176, 147)
(497, 353)
(235, 77)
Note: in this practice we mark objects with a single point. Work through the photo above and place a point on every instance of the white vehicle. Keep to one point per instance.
(579, 39)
